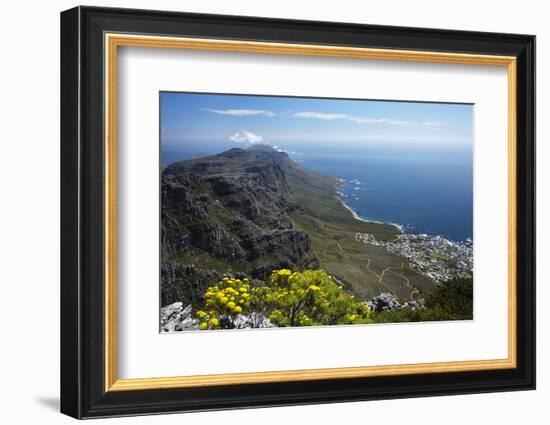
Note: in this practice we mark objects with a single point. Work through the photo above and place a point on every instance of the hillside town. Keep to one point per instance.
(433, 256)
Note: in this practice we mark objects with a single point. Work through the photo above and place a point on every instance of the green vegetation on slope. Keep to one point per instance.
(365, 270)
(453, 300)
(313, 298)
(317, 196)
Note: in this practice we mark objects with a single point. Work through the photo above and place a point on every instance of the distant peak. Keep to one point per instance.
(233, 152)
(262, 147)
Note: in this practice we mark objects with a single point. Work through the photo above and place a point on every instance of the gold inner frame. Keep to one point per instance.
(113, 41)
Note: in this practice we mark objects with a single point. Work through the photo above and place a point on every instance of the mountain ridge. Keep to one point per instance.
(229, 213)
(246, 212)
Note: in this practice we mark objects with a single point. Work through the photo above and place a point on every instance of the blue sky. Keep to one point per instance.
(213, 122)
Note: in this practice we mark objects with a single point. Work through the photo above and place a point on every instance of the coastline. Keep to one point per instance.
(357, 217)
(428, 255)
(340, 196)
(401, 228)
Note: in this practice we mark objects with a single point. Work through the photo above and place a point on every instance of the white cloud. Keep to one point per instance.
(320, 116)
(244, 136)
(241, 112)
(366, 120)
(372, 138)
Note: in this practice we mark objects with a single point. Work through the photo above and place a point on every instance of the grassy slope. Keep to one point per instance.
(366, 270)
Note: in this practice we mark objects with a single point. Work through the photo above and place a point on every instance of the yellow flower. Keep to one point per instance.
(231, 304)
(203, 326)
(224, 300)
(201, 314)
(238, 309)
(214, 322)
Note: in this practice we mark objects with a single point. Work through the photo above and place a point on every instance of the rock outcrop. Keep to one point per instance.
(388, 302)
(176, 318)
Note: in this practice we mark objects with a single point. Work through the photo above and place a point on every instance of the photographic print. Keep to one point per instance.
(291, 211)
(273, 181)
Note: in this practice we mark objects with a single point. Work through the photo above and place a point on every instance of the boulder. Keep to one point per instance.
(384, 302)
(175, 318)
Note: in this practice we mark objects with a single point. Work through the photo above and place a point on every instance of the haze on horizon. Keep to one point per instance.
(209, 123)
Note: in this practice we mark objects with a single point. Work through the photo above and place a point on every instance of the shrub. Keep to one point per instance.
(289, 298)
(454, 297)
(224, 302)
(311, 298)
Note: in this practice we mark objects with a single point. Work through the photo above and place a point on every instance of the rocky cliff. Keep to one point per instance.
(228, 214)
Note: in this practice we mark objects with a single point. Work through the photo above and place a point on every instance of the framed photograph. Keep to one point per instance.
(261, 212)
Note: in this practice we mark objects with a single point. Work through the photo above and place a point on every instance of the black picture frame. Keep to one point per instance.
(83, 392)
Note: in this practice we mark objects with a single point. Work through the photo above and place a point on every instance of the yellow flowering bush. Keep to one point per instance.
(224, 302)
(311, 298)
(307, 298)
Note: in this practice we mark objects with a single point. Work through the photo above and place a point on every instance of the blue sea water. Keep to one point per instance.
(426, 192)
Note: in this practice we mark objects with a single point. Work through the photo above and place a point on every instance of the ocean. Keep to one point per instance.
(427, 192)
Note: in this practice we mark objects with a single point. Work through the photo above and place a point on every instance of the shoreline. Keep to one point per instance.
(340, 195)
(364, 220)
(401, 228)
